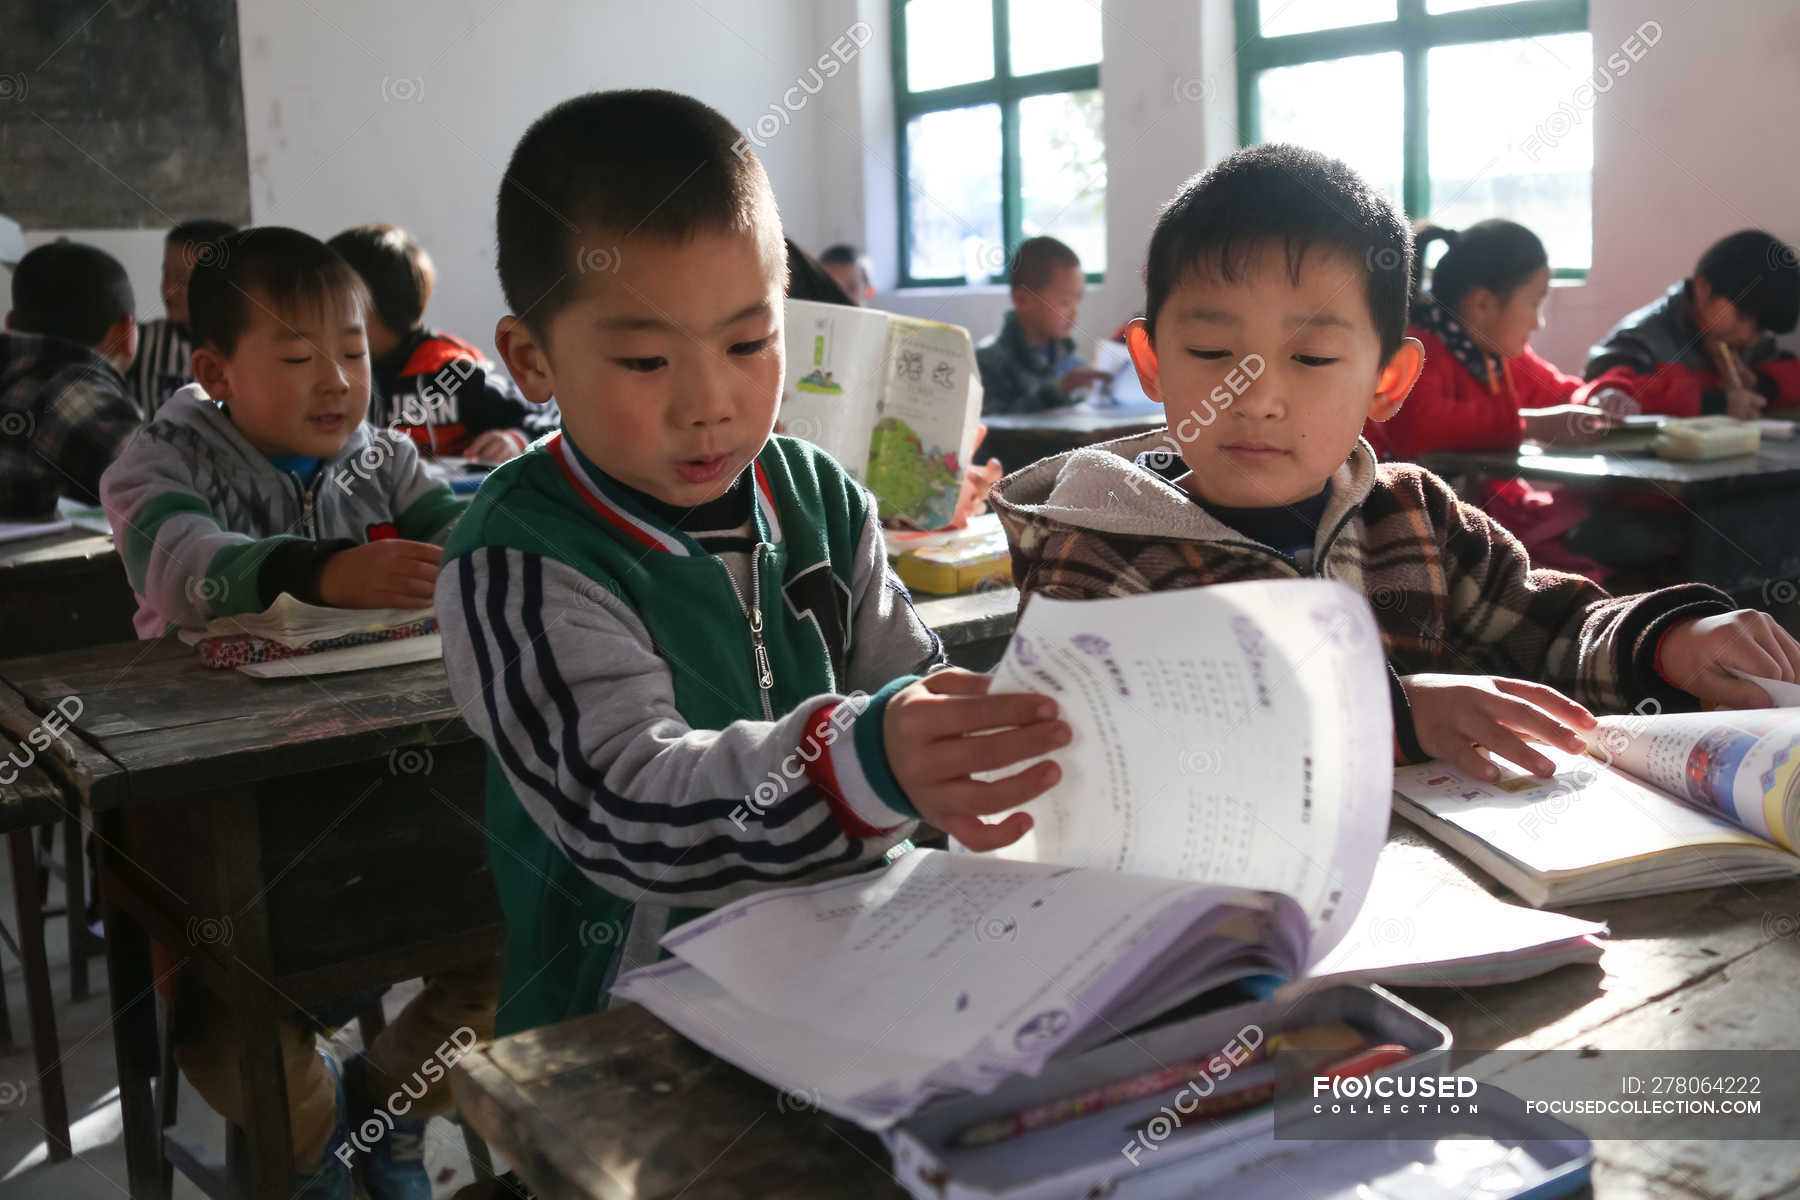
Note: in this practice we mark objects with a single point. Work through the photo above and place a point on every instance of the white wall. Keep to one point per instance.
(406, 111)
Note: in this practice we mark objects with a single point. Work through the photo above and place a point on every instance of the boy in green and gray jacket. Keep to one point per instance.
(679, 635)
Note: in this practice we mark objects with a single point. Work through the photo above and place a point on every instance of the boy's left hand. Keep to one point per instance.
(1697, 657)
(492, 447)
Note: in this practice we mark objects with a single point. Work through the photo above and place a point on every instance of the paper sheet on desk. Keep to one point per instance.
(18, 531)
(1785, 695)
(1255, 751)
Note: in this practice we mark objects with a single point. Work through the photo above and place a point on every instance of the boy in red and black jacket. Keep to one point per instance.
(1706, 346)
(438, 390)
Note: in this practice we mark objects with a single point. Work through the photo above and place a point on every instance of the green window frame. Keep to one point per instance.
(1004, 89)
(1413, 32)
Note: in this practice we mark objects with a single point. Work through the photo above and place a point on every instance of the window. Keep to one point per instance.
(1458, 109)
(998, 105)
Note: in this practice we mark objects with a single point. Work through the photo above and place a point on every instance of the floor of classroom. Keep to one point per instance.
(97, 1170)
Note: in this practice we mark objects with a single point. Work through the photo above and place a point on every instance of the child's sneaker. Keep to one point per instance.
(330, 1180)
(393, 1165)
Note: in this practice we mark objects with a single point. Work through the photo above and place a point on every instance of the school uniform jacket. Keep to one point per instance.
(1658, 357)
(669, 729)
(1451, 590)
(208, 527)
(1453, 408)
(441, 392)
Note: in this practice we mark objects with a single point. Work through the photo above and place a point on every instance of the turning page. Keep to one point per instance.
(1237, 735)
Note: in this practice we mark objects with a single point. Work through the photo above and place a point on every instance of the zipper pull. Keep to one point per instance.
(765, 673)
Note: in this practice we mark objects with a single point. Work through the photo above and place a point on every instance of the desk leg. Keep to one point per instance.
(39, 1003)
(131, 987)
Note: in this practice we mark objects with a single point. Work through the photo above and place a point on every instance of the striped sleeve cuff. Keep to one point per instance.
(853, 773)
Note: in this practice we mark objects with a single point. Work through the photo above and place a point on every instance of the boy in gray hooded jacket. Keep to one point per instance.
(262, 478)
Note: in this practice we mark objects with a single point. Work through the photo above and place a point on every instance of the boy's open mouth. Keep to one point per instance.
(701, 470)
(327, 422)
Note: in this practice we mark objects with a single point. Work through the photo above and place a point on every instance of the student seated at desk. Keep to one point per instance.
(164, 363)
(851, 269)
(1707, 345)
(64, 411)
(1482, 387)
(680, 635)
(1031, 364)
(438, 390)
(1268, 254)
(261, 478)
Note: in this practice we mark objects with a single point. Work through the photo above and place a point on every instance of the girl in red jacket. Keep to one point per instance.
(1482, 387)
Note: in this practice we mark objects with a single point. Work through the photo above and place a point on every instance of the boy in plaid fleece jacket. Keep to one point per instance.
(1276, 311)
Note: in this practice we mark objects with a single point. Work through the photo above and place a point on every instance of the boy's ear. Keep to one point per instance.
(1397, 379)
(526, 359)
(209, 373)
(1143, 357)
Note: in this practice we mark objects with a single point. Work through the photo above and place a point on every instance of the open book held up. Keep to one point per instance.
(1221, 808)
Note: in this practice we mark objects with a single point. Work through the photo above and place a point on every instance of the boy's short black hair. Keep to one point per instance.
(290, 269)
(841, 254)
(1037, 261)
(1759, 273)
(616, 165)
(199, 232)
(399, 273)
(1298, 197)
(72, 291)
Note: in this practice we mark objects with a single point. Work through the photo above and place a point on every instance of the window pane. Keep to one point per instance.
(1062, 172)
(953, 194)
(1444, 6)
(948, 42)
(1531, 162)
(1349, 108)
(1047, 35)
(1280, 17)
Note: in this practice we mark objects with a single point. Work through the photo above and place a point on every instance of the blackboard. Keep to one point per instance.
(121, 115)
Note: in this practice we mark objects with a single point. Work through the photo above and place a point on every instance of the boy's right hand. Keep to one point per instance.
(1455, 714)
(928, 728)
(391, 573)
(1744, 404)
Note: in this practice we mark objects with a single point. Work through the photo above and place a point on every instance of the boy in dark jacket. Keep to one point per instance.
(1707, 345)
(1277, 288)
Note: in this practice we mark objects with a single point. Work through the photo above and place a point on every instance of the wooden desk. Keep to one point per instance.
(292, 842)
(1737, 511)
(62, 592)
(1019, 439)
(28, 801)
(619, 1106)
(974, 626)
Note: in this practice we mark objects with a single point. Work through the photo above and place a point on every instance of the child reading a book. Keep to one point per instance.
(1272, 333)
(678, 634)
(438, 390)
(257, 479)
(1707, 345)
(1031, 364)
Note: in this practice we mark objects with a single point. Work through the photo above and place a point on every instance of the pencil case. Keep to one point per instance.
(1088, 1155)
(1697, 439)
(959, 566)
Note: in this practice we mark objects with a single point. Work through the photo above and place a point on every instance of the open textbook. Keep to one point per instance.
(896, 400)
(1662, 803)
(1223, 804)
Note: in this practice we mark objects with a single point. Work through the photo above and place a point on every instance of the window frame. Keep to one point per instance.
(1413, 33)
(1004, 89)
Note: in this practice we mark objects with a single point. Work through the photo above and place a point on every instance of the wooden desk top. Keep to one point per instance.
(32, 798)
(154, 722)
(62, 550)
(971, 616)
(1775, 465)
(620, 1106)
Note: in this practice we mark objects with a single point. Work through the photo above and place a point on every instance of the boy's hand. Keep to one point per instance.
(1566, 424)
(1744, 404)
(1454, 714)
(1076, 378)
(928, 727)
(391, 573)
(1697, 657)
(492, 447)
